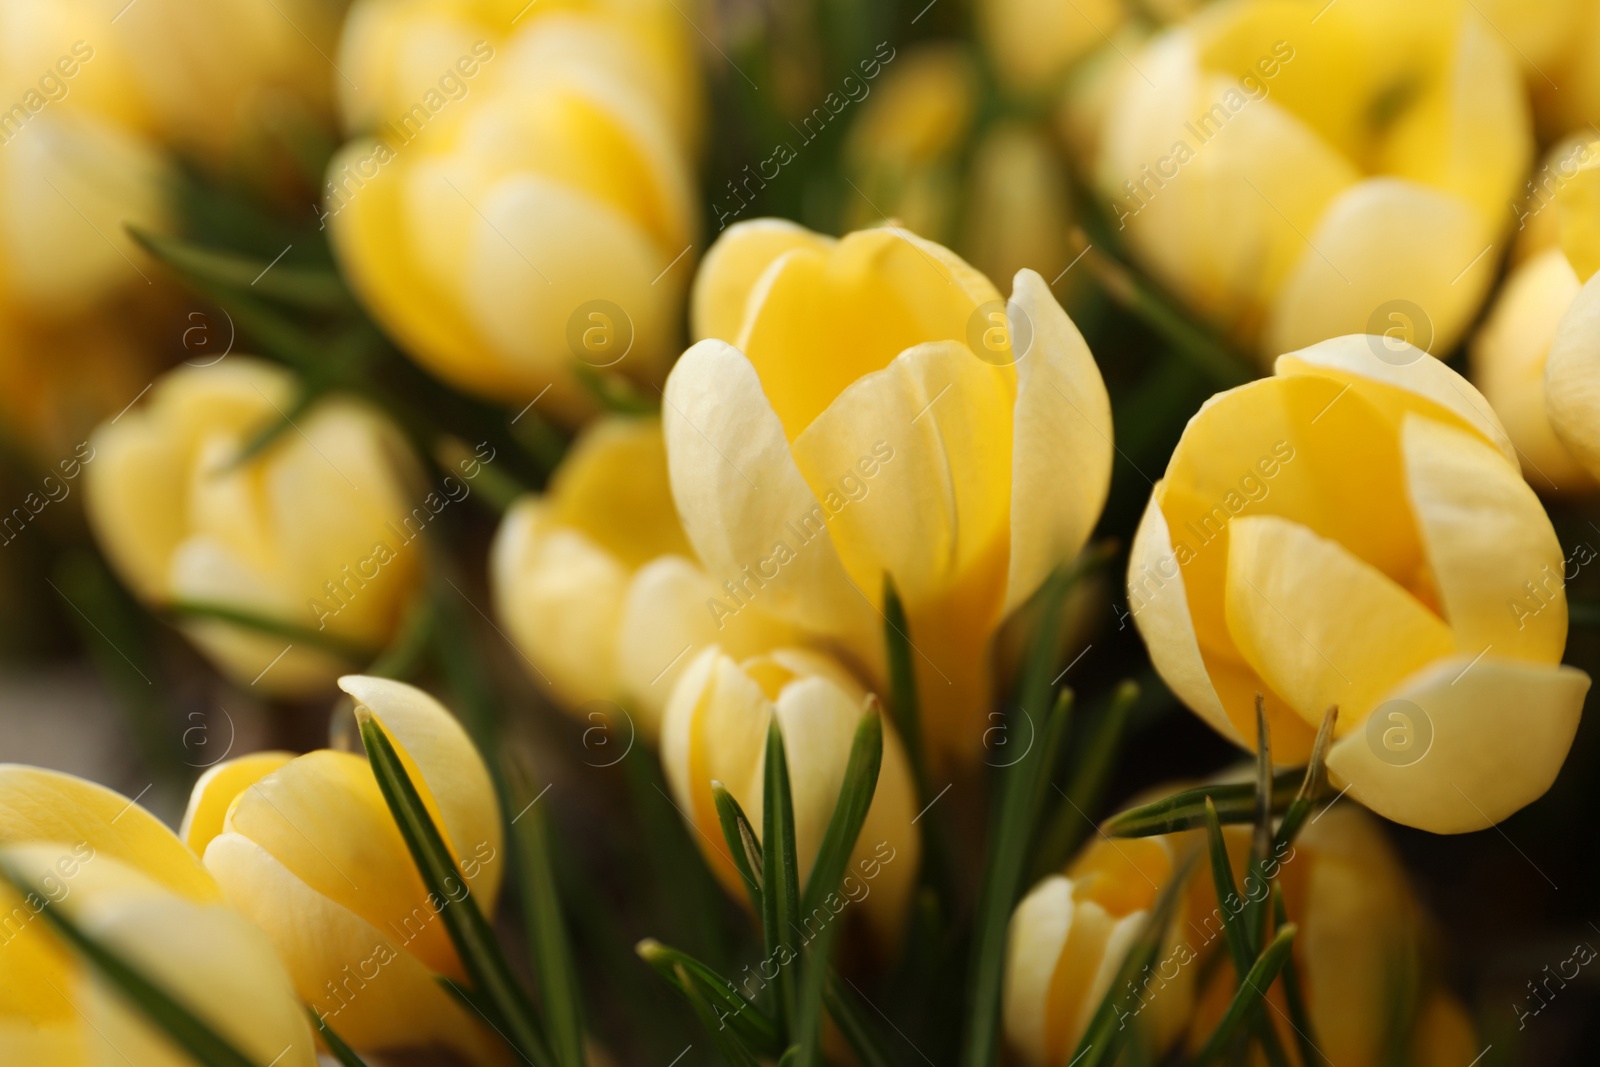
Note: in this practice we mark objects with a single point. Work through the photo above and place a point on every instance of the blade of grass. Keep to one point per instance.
(322, 640)
(342, 1052)
(159, 1007)
(1255, 913)
(307, 288)
(469, 930)
(858, 1033)
(903, 704)
(722, 1037)
(754, 1027)
(850, 810)
(741, 840)
(1185, 810)
(1311, 785)
(1086, 784)
(1247, 1001)
(780, 876)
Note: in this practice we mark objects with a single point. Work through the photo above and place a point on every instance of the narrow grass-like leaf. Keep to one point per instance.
(1311, 786)
(342, 1052)
(164, 1011)
(741, 840)
(351, 651)
(1019, 793)
(1255, 913)
(858, 1033)
(807, 1028)
(780, 877)
(755, 1028)
(1305, 1033)
(1222, 879)
(308, 288)
(1086, 785)
(724, 1038)
(903, 705)
(1105, 1035)
(469, 930)
(1246, 1002)
(612, 392)
(1185, 810)
(849, 812)
(401, 659)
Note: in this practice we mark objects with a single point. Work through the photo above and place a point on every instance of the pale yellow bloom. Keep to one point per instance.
(1572, 373)
(129, 882)
(1032, 43)
(1360, 942)
(1354, 531)
(716, 730)
(315, 530)
(1511, 351)
(1293, 182)
(528, 212)
(1070, 935)
(305, 847)
(597, 585)
(835, 427)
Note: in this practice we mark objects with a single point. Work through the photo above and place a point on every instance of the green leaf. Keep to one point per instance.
(754, 1027)
(1305, 1033)
(1086, 786)
(306, 288)
(903, 703)
(849, 812)
(1106, 1032)
(321, 640)
(613, 392)
(724, 1038)
(1222, 879)
(548, 946)
(858, 1033)
(469, 931)
(1311, 786)
(1247, 1001)
(780, 876)
(342, 1052)
(742, 843)
(1255, 914)
(1185, 810)
(159, 1007)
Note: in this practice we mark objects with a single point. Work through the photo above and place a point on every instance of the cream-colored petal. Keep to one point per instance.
(1321, 626)
(1572, 378)
(1495, 559)
(364, 979)
(1500, 731)
(740, 495)
(215, 791)
(1386, 240)
(37, 805)
(448, 770)
(1061, 440)
(1159, 606)
(1425, 386)
(1037, 934)
(728, 274)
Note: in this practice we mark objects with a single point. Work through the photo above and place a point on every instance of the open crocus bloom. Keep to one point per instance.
(598, 586)
(129, 882)
(1354, 532)
(1298, 171)
(1072, 932)
(836, 426)
(306, 848)
(716, 730)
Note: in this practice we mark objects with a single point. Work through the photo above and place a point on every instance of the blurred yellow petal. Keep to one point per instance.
(731, 269)
(215, 790)
(1572, 378)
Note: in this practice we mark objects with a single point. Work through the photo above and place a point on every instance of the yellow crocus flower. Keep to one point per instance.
(869, 406)
(305, 847)
(130, 883)
(598, 586)
(315, 530)
(1354, 531)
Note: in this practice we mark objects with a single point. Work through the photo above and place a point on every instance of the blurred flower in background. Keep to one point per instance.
(1557, 43)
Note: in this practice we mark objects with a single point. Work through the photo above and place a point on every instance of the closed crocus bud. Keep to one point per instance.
(870, 407)
(305, 847)
(128, 882)
(1354, 532)
(1295, 183)
(514, 226)
(716, 731)
(1069, 937)
(313, 530)
(75, 164)
(1360, 950)
(599, 588)
(1032, 43)
(1511, 352)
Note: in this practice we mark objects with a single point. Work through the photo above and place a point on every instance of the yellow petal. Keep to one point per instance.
(732, 267)
(1579, 201)
(1386, 242)
(215, 791)
(448, 770)
(1496, 563)
(363, 978)
(1572, 378)
(1500, 730)
(1037, 934)
(1321, 626)
(614, 486)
